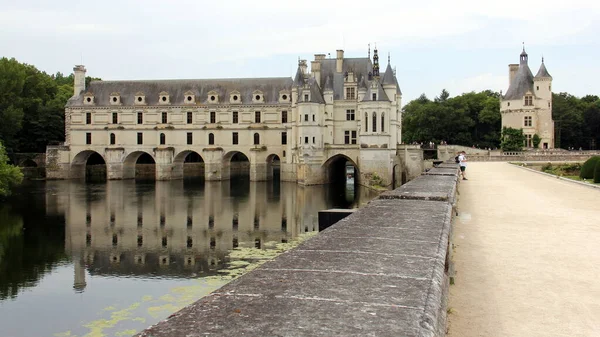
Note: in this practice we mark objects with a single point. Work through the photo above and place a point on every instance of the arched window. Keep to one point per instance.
(211, 139)
(383, 122)
(256, 139)
(366, 122)
(113, 139)
(163, 139)
(374, 121)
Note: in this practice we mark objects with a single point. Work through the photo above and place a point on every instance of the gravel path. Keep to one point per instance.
(527, 255)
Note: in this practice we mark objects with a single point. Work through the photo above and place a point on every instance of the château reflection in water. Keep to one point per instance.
(183, 228)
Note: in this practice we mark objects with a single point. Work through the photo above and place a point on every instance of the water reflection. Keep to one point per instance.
(167, 231)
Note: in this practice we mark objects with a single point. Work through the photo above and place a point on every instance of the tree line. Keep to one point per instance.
(473, 119)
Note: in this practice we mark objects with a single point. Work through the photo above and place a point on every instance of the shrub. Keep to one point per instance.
(587, 169)
(597, 173)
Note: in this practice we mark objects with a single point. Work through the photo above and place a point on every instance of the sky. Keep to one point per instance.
(460, 45)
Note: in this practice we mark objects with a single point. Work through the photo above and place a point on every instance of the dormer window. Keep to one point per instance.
(115, 98)
(306, 98)
(284, 96)
(140, 98)
(88, 98)
(350, 93)
(235, 97)
(257, 96)
(213, 97)
(528, 100)
(163, 98)
(374, 97)
(189, 97)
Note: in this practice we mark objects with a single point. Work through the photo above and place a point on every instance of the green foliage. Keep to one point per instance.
(536, 140)
(570, 169)
(597, 173)
(468, 119)
(512, 139)
(587, 169)
(10, 176)
(576, 121)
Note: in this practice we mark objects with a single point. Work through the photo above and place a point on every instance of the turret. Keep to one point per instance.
(542, 83)
(79, 82)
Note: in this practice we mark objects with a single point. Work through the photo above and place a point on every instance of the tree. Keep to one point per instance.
(536, 140)
(512, 139)
(10, 176)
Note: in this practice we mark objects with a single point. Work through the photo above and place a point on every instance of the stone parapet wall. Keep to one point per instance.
(384, 270)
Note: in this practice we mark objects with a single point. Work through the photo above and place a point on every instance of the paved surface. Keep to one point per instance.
(527, 255)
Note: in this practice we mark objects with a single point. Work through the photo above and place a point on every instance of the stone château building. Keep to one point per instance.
(343, 112)
(527, 103)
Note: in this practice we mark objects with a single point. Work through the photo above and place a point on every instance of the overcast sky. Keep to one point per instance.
(460, 45)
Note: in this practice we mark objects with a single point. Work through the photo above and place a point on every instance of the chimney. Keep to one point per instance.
(315, 68)
(79, 82)
(339, 61)
(303, 66)
(512, 71)
(319, 57)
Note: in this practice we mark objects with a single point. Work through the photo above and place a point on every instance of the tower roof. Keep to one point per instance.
(523, 80)
(299, 78)
(543, 72)
(388, 76)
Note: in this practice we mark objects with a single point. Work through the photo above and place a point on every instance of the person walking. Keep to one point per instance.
(462, 161)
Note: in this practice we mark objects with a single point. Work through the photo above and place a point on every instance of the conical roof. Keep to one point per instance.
(388, 77)
(299, 78)
(543, 72)
(362, 85)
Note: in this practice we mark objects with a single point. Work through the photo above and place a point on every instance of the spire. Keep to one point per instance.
(369, 53)
(523, 55)
(375, 63)
(543, 72)
(388, 57)
(388, 76)
(299, 78)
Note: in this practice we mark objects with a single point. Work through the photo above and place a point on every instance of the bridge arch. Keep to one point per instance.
(273, 167)
(188, 164)
(139, 164)
(89, 165)
(236, 164)
(28, 163)
(337, 168)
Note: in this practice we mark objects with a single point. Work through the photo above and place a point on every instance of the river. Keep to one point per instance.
(110, 259)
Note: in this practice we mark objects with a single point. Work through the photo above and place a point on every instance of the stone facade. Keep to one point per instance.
(527, 103)
(343, 110)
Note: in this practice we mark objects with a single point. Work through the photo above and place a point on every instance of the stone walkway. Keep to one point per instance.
(527, 254)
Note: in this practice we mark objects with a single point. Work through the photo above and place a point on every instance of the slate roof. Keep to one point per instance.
(521, 83)
(388, 76)
(543, 72)
(270, 87)
(381, 95)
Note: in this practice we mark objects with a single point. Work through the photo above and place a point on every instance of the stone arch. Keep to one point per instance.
(89, 165)
(336, 171)
(132, 168)
(188, 164)
(235, 164)
(28, 163)
(273, 167)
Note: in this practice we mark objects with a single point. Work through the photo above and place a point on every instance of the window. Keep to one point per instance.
(305, 140)
(88, 118)
(349, 137)
(528, 100)
(140, 138)
(234, 117)
(164, 118)
(213, 117)
(350, 115)
(537, 87)
(284, 116)
(235, 222)
(313, 117)
(211, 139)
(211, 221)
(305, 97)
(234, 138)
(528, 121)
(190, 242)
(164, 244)
(113, 139)
(374, 97)
(140, 240)
(115, 118)
(313, 140)
(283, 138)
(189, 138)
(374, 124)
(382, 122)
(350, 93)
(366, 122)
(88, 138)
(306, 118)
(528, 141)
(163, 139)
(256, 116)
(283, 153)
(189, 117)
(140, 118)
(256, 139)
